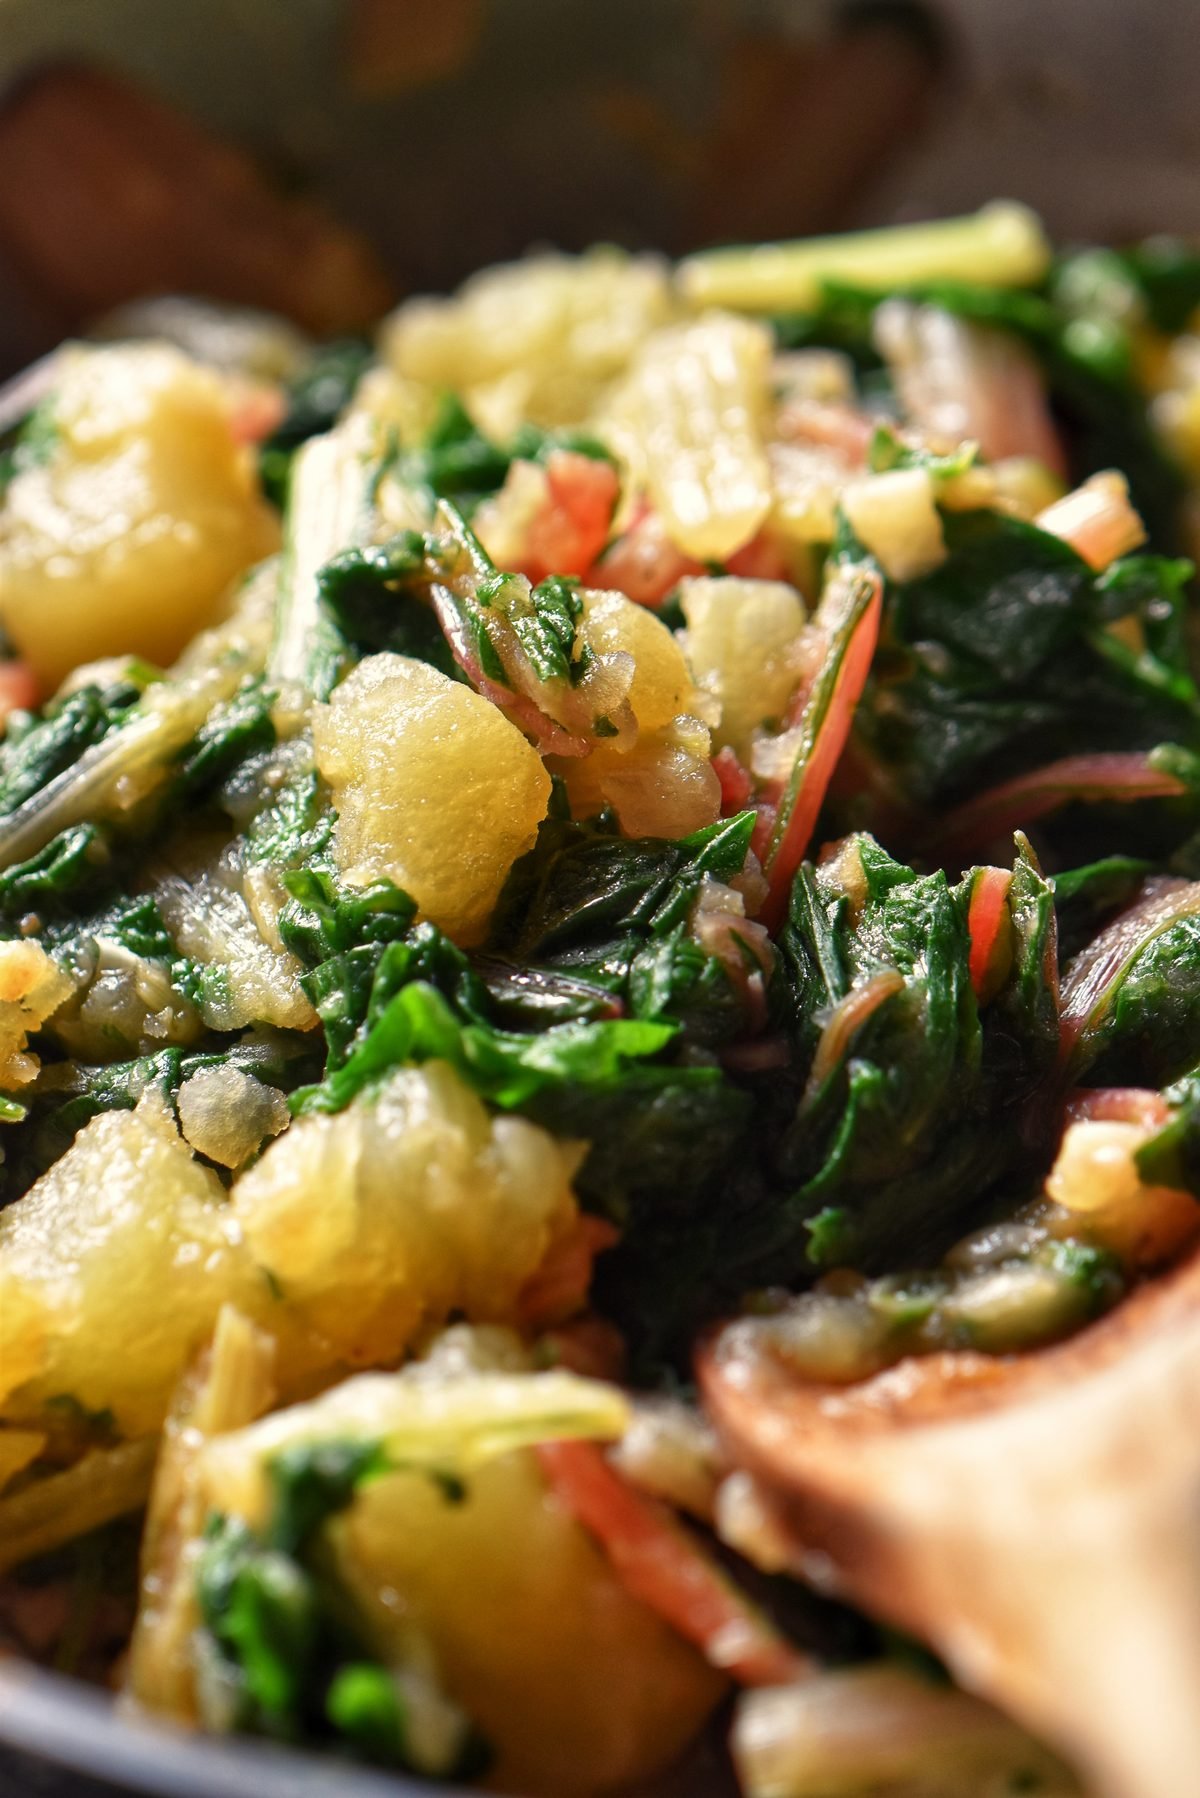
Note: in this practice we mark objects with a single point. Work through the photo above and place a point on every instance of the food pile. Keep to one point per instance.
(648, 818)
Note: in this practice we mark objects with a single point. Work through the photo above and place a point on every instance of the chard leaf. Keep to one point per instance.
(296, 828)
(1086, 898)
(48, 745)
(888, 450)
(292, 1660)
(910, 1113)
(316, 398)
(417, 1024)
(1005, 657)
(1134, 1010)
(312, 1481)
(458, 462)
(547, 635)
(326, 917)
(58, 878)
(369, 594)
(235, 729)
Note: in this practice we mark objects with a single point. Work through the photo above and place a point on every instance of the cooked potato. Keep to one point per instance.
(663, 787)
(225, 1114)
(577, 1686)
(112, 1269)
(31, 989)
(896, 517)
(1095, 1179)
(539, 339)
(503, 1593)
(388, 1216)
(689, 424)
(124, 536)
(658, 779)
(434, 789)
(742, 643)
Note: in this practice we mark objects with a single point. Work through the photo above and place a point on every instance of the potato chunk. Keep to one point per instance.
(225, 1114)
(124, 536)
(32, 988)
(114, 1265)
(540, 339)
(657, 777)
(743, 640)
(389, 1216)
(517, 1602)
(689, 423)
(501, 1591)
(434, 789)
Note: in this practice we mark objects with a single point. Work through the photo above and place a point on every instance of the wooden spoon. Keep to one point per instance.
(1035, 1518)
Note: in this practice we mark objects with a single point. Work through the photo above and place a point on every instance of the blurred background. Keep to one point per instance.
(324, 156)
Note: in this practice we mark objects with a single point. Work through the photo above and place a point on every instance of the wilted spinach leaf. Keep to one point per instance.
(34, 751)
(316, 398)
(1003, 659)
(911, 1114)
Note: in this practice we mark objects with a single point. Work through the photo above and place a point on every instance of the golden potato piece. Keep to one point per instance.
(658, 779)
(119, 1257)
(895, 515)
(540, 339)
(434, 788)
(662, 682)
(32, 988)
(576, 1685)
(689, 423)
(225, 1113)
(125, 536)
(664, 786)
(743, 638)
(390, 1215)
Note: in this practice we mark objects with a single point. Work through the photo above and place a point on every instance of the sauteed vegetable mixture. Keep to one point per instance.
(653, 807)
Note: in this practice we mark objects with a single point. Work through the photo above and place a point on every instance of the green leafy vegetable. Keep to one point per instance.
(457, 461)
(911, 1110)
(369, 594)
(59, 878)
(316, 399)
(233, 731)
(1086, 898)
(292, 1661)
(1005, 658)
(548, 635)
(31, 756)
(417, 1024)
(1141, 1026)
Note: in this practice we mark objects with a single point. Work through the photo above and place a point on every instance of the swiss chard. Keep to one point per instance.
(1013, 654)
(1131, 998)
(32, 753)
(1086, 357)
(369, 594)
(292, 1661)
(910, 1113)
(316, 399)
(457, 461)
(594, 1012)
